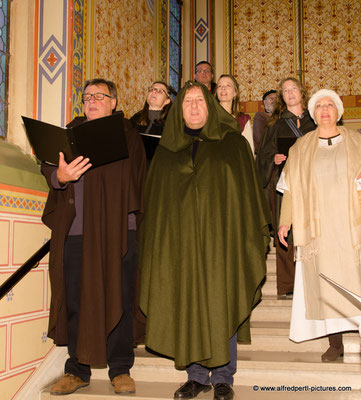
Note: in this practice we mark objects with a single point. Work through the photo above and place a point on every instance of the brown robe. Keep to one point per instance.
(111, 192)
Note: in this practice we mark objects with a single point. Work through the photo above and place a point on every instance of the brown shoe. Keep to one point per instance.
(123, 384)
(335, 350)
(69, 383)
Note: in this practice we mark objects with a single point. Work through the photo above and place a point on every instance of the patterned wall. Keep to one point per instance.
(263, 45)
(124, 49)
(265, 41)
(24, 310)
(332, 45)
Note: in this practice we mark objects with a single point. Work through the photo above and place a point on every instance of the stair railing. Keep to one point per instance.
(19, 274)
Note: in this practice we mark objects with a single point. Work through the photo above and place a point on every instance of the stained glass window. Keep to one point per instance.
(175, 66)
(4, 62)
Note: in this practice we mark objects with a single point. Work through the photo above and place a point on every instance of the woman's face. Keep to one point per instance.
(157, 96)
(291, 94)
(225, 89)
(326, 112)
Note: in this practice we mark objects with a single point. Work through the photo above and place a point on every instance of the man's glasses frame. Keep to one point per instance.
(97, 96)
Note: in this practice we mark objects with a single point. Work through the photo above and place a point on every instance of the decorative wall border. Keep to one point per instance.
(229, 37)
(22, 201)
(52, 52)
(161, 50)
(163, 21)
(79, 55)
(201, 23)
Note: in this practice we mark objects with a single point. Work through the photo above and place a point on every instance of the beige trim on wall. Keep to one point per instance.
(20, 70)
(90, 34)
(220, 58)
(188, 72)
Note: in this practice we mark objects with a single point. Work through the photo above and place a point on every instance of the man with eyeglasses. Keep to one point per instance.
(93, 256)
(204, 74)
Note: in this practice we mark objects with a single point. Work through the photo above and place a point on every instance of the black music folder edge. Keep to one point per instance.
(101, 140)
(284, 144)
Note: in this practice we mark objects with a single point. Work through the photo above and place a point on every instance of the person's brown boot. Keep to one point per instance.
(123, 384)
(335, 350)
(69, 383)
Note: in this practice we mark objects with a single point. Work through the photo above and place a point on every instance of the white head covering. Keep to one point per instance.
(325, 93)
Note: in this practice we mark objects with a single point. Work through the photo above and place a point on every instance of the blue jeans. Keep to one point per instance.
(223, 374)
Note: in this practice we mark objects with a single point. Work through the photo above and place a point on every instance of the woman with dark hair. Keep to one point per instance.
(227, 93)
(289, 121)
(150, 120)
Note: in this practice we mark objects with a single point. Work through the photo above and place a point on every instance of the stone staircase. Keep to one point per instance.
(271, 362)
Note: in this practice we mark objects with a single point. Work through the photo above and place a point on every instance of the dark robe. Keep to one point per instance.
(260, 121)
(154, 127)
(268, 147)
(111, 192)
(270, 173)
(203, 239)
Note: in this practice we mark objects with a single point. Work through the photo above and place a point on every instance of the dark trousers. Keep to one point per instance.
(285, 265)
(120, 354)
(222, 374)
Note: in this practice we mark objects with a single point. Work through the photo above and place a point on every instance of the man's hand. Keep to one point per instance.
(283, 233)
(279, 158)
(72, 171)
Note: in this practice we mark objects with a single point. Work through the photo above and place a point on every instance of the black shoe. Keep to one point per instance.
(190, 390)
(223, 391)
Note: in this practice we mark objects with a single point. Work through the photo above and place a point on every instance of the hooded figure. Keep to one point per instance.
(203, 238)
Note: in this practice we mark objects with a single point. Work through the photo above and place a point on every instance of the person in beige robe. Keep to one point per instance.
(321, 192)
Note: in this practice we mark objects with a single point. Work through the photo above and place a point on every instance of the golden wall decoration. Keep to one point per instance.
(124, 49)
(264, 45)
(332, 45)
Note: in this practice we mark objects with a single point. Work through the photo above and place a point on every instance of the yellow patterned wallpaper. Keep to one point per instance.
(332, 45)
(263, 45)
(124, 49)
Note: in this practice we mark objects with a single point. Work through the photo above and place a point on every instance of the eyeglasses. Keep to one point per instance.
(157, 90)
(203, 71)
(97, 96)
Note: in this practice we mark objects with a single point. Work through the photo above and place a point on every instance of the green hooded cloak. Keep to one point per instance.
(203, 239)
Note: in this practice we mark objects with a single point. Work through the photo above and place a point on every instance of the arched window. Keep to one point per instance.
(4, 64)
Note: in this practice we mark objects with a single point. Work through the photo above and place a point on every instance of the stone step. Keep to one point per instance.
(254, 369)
(269, 288)
(102, 389)
(272, 308)
(271, 263)
(259, 366)
(273, 336)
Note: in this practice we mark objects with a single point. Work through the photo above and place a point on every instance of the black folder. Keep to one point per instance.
(284, 144)
(102, 140)
(150, 144)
